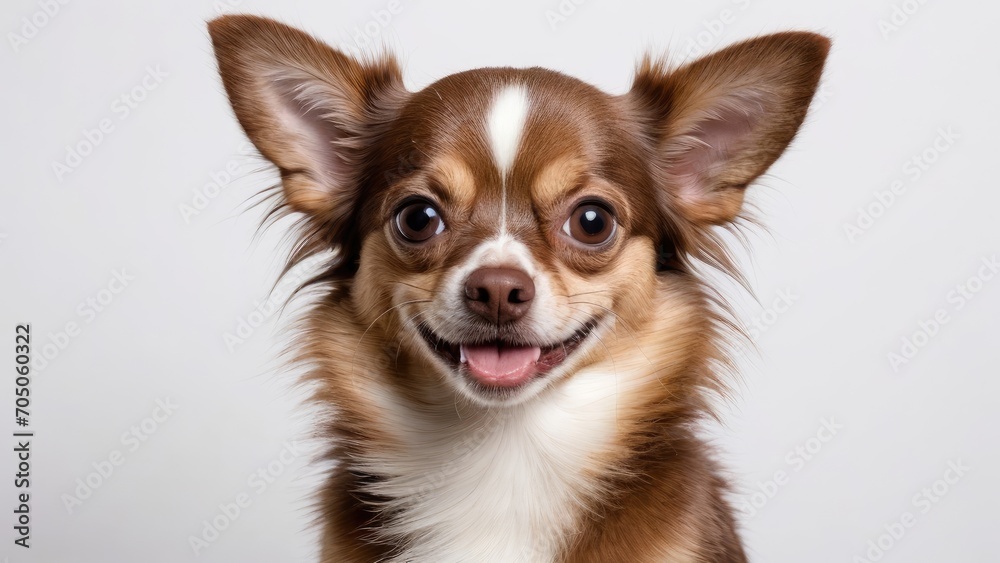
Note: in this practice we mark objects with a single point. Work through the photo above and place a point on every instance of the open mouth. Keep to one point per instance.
(502, 365)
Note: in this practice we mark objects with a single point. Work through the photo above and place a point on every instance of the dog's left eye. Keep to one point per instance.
(591, 224)
(419, 221)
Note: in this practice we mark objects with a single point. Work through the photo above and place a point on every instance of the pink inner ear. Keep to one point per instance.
(303, 109)
(712, 142)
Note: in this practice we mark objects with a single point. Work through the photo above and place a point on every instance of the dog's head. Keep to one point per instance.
(505, 228)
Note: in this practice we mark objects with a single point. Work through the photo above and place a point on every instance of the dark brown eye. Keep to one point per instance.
(419, 221)
(591, 224)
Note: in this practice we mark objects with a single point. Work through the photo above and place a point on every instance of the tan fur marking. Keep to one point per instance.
(457, 179)
(557, 178)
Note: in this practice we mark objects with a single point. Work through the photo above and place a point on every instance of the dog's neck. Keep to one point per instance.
(499, 485)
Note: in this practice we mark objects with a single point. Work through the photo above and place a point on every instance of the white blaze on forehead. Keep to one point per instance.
(506, 123)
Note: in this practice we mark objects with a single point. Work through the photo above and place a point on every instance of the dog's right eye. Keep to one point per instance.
(418, 222)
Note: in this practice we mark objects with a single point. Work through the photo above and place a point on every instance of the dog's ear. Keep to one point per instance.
(719, 122)
(307, 107)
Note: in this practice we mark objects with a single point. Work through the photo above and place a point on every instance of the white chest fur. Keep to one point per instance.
(502, 486)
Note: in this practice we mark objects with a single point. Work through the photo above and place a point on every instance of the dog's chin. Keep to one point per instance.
(504, 371)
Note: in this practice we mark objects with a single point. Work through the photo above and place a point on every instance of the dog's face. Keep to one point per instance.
(520, 228)
(505, 228)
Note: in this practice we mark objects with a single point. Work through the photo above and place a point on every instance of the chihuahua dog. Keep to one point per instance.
(513, 335)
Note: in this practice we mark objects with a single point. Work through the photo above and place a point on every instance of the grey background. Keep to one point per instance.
(824, 357)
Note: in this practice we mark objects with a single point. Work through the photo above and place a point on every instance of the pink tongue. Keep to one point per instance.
(505, 366)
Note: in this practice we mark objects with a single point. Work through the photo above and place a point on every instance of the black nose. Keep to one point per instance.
(499, 295)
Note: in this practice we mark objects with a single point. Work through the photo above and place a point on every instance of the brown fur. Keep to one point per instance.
(657, 493)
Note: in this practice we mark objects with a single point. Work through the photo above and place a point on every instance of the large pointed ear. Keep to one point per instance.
(307, 107)
(719, 122)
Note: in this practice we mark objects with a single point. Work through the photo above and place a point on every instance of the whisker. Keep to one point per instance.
(614, 365)
(365, 333)
(413, 334)
(432, 292)
(601, 340)
(658, 379)
(623, 322)
(572, 295)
